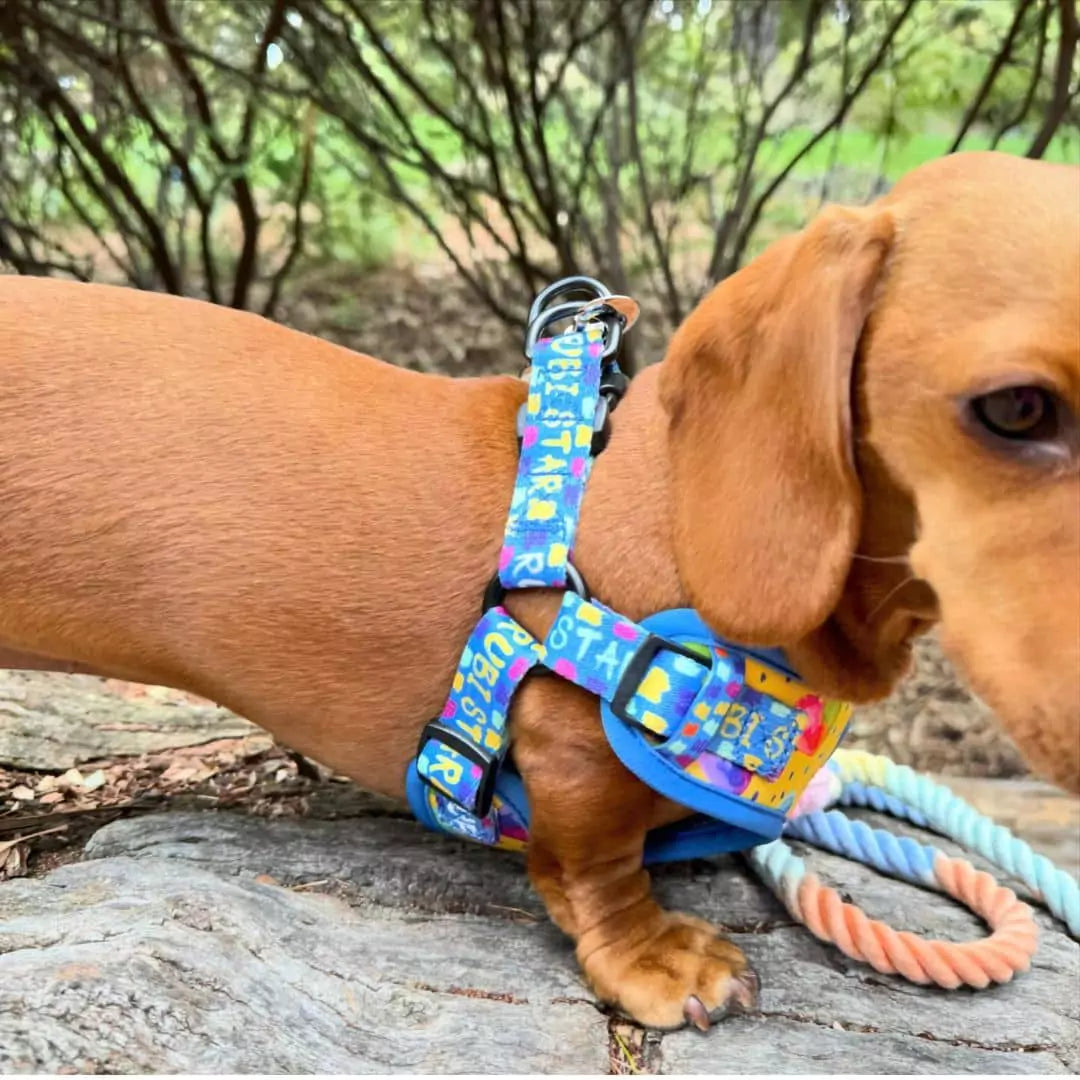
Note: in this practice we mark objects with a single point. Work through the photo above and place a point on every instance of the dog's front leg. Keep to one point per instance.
(589, 819)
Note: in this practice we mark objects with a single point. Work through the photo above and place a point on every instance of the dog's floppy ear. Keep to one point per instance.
(757, 386)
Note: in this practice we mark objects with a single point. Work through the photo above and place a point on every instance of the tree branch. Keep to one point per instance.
(837, 117)
(1024, 108)
(1001, 58)
(1059, 102)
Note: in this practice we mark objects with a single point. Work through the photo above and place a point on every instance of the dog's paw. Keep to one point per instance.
(686, 973)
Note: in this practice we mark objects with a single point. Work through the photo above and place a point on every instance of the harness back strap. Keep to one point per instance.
(557, 430)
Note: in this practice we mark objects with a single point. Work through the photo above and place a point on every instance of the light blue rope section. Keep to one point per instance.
(897, 856)
(781, 869)
(948, 815)
(873, 798)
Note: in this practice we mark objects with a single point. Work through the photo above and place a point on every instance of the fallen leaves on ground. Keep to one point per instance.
(60, 809)
(15, 854)
(14, 857)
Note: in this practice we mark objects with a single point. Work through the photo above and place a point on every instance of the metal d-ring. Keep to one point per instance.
(613, 322)
(496, 591)
(547, 318)
(566, 287)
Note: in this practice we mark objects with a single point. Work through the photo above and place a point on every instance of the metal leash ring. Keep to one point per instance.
(547, 318)
(568, 286)
(617, 317)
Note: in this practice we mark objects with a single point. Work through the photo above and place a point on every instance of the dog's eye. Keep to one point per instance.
(1027, 413)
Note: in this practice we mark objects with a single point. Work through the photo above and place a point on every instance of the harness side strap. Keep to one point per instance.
(686, 698)
(557, 429)
(460, 753)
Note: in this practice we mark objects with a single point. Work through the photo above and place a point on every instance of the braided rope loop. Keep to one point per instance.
(873, 798)
(997, 958)
(948, 814)
(898, 856)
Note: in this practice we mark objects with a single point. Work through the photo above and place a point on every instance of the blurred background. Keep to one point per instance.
(401, 176)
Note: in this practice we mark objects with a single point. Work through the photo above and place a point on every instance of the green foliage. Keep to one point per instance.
(214, 148)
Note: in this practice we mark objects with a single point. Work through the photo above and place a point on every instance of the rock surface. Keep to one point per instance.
(381, 948)
(54, 722)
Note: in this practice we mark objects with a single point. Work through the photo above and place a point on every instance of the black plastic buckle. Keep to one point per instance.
(638, 667)
(613, 385)
(489, 764)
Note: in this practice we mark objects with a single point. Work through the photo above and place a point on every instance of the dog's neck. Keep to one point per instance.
(625, 550)
(624, 544)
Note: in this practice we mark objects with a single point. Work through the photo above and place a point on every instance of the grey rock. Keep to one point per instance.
(160, 966)
(162, 952)
(778, 1045)
(394, 861)
(55, 722)
(809, 982)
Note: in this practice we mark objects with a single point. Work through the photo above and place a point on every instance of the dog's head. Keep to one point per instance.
(876, 426)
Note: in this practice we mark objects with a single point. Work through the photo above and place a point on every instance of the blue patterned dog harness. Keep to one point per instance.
(727, 731)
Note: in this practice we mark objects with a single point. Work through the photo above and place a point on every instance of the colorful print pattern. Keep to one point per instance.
(556, 456)
(591, 646)
(501, 827)
(727, 720)
(499, 654)
(736, 719)
(819, 726)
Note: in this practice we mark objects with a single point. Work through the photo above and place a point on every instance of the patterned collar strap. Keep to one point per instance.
(666, 689)
(460, 752)
(712, 720)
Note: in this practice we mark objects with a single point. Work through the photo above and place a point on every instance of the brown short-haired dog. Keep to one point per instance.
(870, 429)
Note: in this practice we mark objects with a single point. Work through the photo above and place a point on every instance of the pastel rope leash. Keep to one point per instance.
(868, 780)
(923, 802)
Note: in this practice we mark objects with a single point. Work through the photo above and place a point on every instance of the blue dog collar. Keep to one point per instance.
(727, 731)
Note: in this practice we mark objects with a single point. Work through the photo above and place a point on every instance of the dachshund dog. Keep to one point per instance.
(869, 430)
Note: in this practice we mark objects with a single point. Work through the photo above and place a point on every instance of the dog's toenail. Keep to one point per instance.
(745, 989)
(695, 1012)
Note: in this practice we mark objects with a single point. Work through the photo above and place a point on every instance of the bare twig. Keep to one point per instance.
(1022, 110)
(1069, 30)
(302, 188)
(1001, 58)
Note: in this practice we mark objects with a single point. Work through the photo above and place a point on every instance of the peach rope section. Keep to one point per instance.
(1007, 951)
